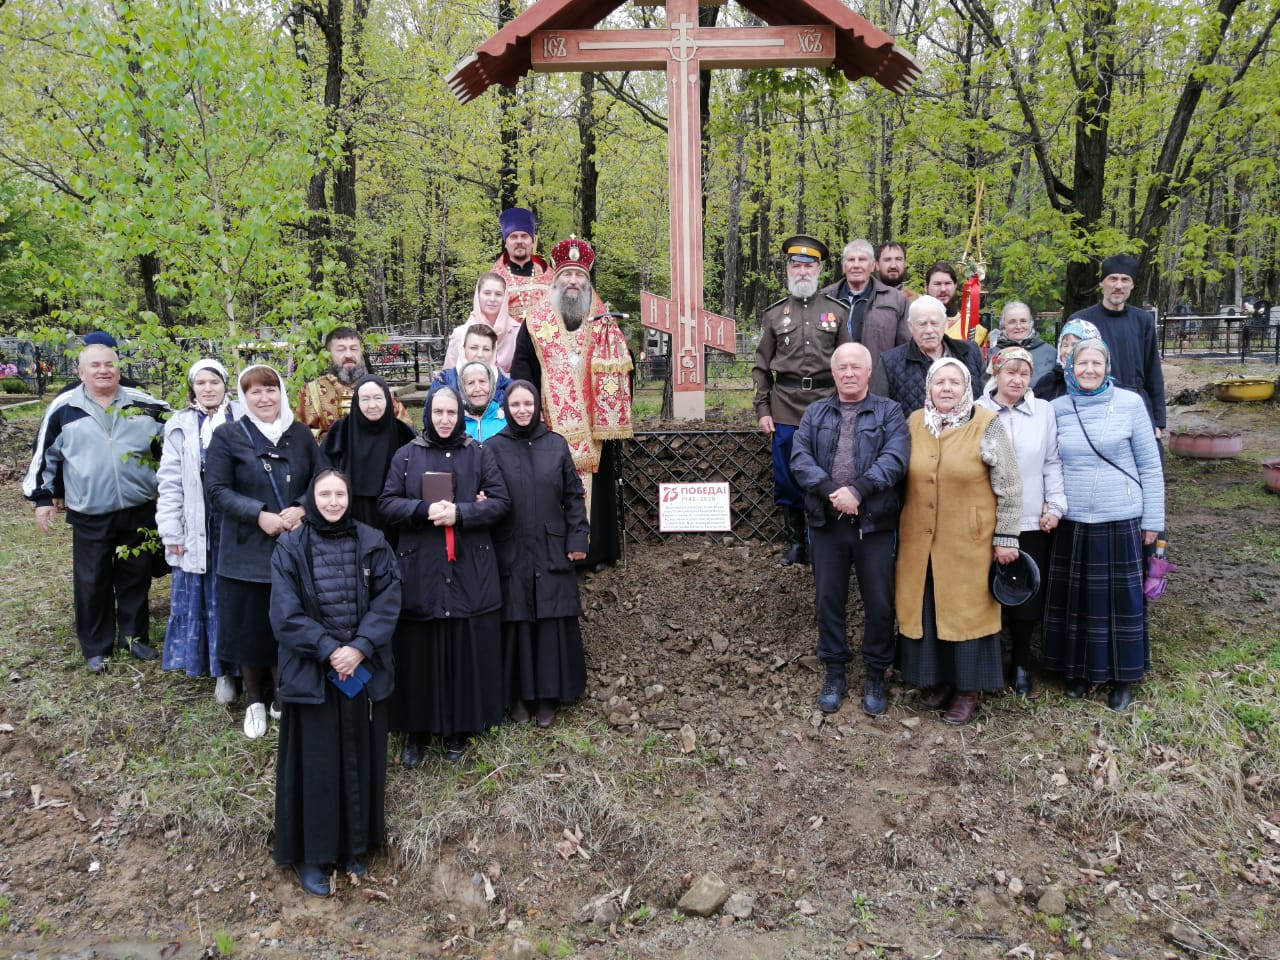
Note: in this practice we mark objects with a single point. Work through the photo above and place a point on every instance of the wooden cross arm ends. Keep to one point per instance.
(862, 48)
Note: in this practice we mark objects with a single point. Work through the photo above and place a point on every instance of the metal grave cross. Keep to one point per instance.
(684, 49)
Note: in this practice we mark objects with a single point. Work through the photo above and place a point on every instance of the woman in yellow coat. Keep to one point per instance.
(962, 508)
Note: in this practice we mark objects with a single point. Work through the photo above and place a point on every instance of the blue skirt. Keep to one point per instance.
(1095, 621)
(191, 638)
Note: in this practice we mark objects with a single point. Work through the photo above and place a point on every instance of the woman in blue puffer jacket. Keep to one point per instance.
(1095, 628)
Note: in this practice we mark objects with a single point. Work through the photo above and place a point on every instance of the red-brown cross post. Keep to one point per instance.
(544, 38)
(684, 49)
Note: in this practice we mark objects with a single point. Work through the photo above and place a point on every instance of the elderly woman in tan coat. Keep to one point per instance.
(962, 508)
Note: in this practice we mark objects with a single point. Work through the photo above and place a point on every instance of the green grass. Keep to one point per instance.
(1259, 545)
(26, 411)
(1203, 726)
(732, 403)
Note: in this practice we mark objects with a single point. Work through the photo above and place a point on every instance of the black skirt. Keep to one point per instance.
(543, 660)
(1034, 543)
(245, 637)
(606, 543)
(448, 675)
(331, 774)
(966, 664)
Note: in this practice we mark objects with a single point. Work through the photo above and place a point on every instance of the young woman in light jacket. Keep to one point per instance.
(189, 528)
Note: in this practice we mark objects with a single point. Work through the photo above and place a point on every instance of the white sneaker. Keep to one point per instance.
(224, 691)
(275, 714)
(255, 721)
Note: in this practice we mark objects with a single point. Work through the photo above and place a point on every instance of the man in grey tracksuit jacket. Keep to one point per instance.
(98, 452)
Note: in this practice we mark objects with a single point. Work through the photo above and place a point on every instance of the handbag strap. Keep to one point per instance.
(1101, 456)
(266, 463)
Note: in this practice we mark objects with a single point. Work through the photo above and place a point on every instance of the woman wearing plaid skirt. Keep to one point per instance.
(1095, 627)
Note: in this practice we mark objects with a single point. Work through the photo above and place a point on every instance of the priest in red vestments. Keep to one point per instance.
(581, 365)
(527, 275)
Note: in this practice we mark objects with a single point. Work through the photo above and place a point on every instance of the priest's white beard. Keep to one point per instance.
(572, 305)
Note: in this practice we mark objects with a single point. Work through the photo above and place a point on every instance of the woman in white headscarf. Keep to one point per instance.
(962, 506)
(189, 529)
(257, 473)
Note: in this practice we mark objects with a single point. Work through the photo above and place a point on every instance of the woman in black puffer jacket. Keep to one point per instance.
(335, 598)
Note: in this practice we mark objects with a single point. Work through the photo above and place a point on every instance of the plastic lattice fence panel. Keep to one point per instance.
(740, 457)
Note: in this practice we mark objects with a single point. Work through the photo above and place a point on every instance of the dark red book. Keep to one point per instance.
(437, 486)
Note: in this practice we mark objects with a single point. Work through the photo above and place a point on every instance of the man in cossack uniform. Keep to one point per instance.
(792, 370)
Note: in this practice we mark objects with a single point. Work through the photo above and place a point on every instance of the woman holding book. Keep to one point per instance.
(335, 597)
(448, 644)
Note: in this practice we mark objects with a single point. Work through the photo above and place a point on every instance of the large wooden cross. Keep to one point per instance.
(543, 38)
(684, 49)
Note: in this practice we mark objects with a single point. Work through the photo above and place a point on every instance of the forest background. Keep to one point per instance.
(174, 170)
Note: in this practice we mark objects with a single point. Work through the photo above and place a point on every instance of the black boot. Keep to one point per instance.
(411, 754)
(1022, 682)
(797, 535)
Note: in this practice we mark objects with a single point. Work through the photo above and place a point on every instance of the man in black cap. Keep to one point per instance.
(1130, 335)
(792, 370)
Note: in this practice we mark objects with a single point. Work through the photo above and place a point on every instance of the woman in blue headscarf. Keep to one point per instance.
(1095, 628)
(1053, 384)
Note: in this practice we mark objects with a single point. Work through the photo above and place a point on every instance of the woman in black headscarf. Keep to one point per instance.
(335, 597)
(537, 544)
(448, 644)
(362, 443)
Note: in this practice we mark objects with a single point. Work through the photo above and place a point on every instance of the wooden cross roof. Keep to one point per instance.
(862, 49)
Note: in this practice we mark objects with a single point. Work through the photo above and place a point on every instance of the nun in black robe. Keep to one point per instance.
(448, 644)
(362, 448)
(335, 598)
(537, 544)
